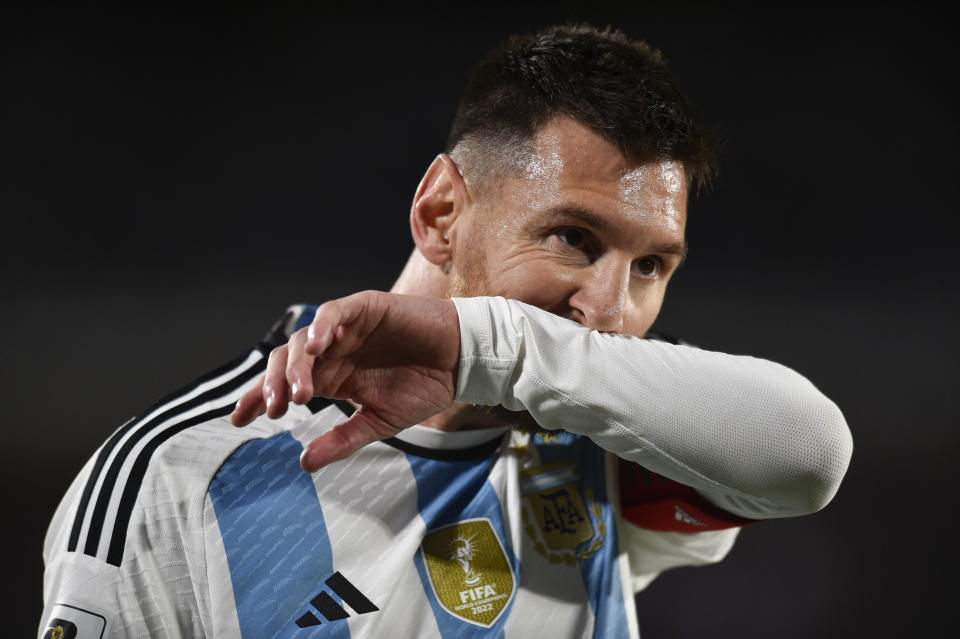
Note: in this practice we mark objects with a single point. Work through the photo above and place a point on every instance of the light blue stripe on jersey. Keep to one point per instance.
(601, 572)
(277, 544)
(452, 491)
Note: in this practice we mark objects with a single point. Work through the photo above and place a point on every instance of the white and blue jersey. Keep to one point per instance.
(185, 526)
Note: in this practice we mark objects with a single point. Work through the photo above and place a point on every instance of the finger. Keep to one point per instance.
(250, 406)
(275, 383)
(299, 368)
(344, 440)
(330, 316)
(321, 330)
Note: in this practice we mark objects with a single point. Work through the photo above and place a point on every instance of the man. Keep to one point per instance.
(507, 452)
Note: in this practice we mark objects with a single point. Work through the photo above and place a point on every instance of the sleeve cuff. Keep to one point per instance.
(489, 349)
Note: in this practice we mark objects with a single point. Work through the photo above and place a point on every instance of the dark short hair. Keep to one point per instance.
(621, 89)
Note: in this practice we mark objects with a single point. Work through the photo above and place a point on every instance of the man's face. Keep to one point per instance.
(579, 232)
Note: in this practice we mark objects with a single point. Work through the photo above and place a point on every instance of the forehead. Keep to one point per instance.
(568, 164)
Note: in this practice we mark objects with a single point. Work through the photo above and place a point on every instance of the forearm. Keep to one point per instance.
(753, 436)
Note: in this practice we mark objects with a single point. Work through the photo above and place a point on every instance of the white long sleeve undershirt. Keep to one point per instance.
(752, 436)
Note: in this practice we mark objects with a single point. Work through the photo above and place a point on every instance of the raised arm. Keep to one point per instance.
(753, 436)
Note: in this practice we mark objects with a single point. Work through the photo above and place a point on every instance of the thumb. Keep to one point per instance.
(344, 440)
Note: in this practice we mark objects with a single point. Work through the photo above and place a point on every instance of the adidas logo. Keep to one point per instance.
(330, 609)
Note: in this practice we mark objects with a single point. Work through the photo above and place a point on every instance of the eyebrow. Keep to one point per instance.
(591, 219)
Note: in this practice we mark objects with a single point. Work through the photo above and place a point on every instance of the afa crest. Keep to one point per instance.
(565, 525)
(469, 571)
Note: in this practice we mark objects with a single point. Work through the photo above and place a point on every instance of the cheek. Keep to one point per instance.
(536, 283)
(644, 313)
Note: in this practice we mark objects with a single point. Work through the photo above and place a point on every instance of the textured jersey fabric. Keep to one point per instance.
(184, 526)
(750, 435)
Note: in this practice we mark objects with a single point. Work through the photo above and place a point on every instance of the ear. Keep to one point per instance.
(438, 203)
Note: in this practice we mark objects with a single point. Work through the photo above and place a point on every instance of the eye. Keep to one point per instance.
(574, 238)
(648, 267)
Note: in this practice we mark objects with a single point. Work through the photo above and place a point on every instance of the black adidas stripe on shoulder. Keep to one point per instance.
(131, 488)
(164, 419)
(111, 443)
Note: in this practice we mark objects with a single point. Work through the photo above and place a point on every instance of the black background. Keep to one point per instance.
(171, 180)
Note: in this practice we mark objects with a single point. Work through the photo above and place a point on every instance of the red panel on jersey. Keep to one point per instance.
(652, 501)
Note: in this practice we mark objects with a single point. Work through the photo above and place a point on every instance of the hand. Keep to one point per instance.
(394, 355)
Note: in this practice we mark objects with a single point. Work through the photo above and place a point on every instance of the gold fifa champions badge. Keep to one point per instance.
(469, 570)
(564, 525)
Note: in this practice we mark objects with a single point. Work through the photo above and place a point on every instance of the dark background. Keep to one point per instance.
(171, 181)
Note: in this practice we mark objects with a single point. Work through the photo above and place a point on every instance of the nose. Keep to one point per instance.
(600, 299)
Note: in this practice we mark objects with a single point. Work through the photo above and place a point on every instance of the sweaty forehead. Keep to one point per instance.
(655, 193)
(565, 149)
(569, 161)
